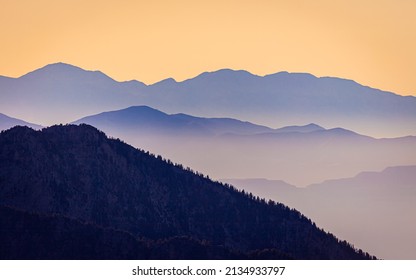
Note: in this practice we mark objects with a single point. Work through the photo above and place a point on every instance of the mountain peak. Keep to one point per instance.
(168, 81)
(134, 115)
(301, 128)
(314, 126)
(226, 74)
(62, 70)
(285, 74)
(59, 66)
(139, 108)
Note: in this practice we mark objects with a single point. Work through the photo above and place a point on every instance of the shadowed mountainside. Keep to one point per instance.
(78, 173)
(33, 236)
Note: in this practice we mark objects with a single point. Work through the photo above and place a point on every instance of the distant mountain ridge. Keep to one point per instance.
(60, 93)
(77, 172)
(258, 151)
(139, 117)
(376, 207)
(144, 117)
(7, 122)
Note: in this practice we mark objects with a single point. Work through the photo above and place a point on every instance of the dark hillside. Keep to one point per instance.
(77, 172)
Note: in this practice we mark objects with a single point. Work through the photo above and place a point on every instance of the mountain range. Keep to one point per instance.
(246, 150)
(317, 153)
(71, 192)
(220, 123)
(60, 93)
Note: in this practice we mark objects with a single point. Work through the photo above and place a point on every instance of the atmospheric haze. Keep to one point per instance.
(329, 128)
(374, 210)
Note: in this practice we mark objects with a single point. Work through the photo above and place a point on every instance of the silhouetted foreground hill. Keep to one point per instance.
(100, 198)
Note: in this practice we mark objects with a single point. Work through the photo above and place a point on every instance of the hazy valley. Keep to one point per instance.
(374, 210)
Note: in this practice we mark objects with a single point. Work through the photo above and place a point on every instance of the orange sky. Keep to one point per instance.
(372, 42)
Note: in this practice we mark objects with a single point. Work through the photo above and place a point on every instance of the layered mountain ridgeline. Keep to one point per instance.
(60, 93)
(247, 150)
(77, 173)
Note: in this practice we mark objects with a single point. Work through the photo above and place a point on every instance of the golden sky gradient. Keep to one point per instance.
(370, 41)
